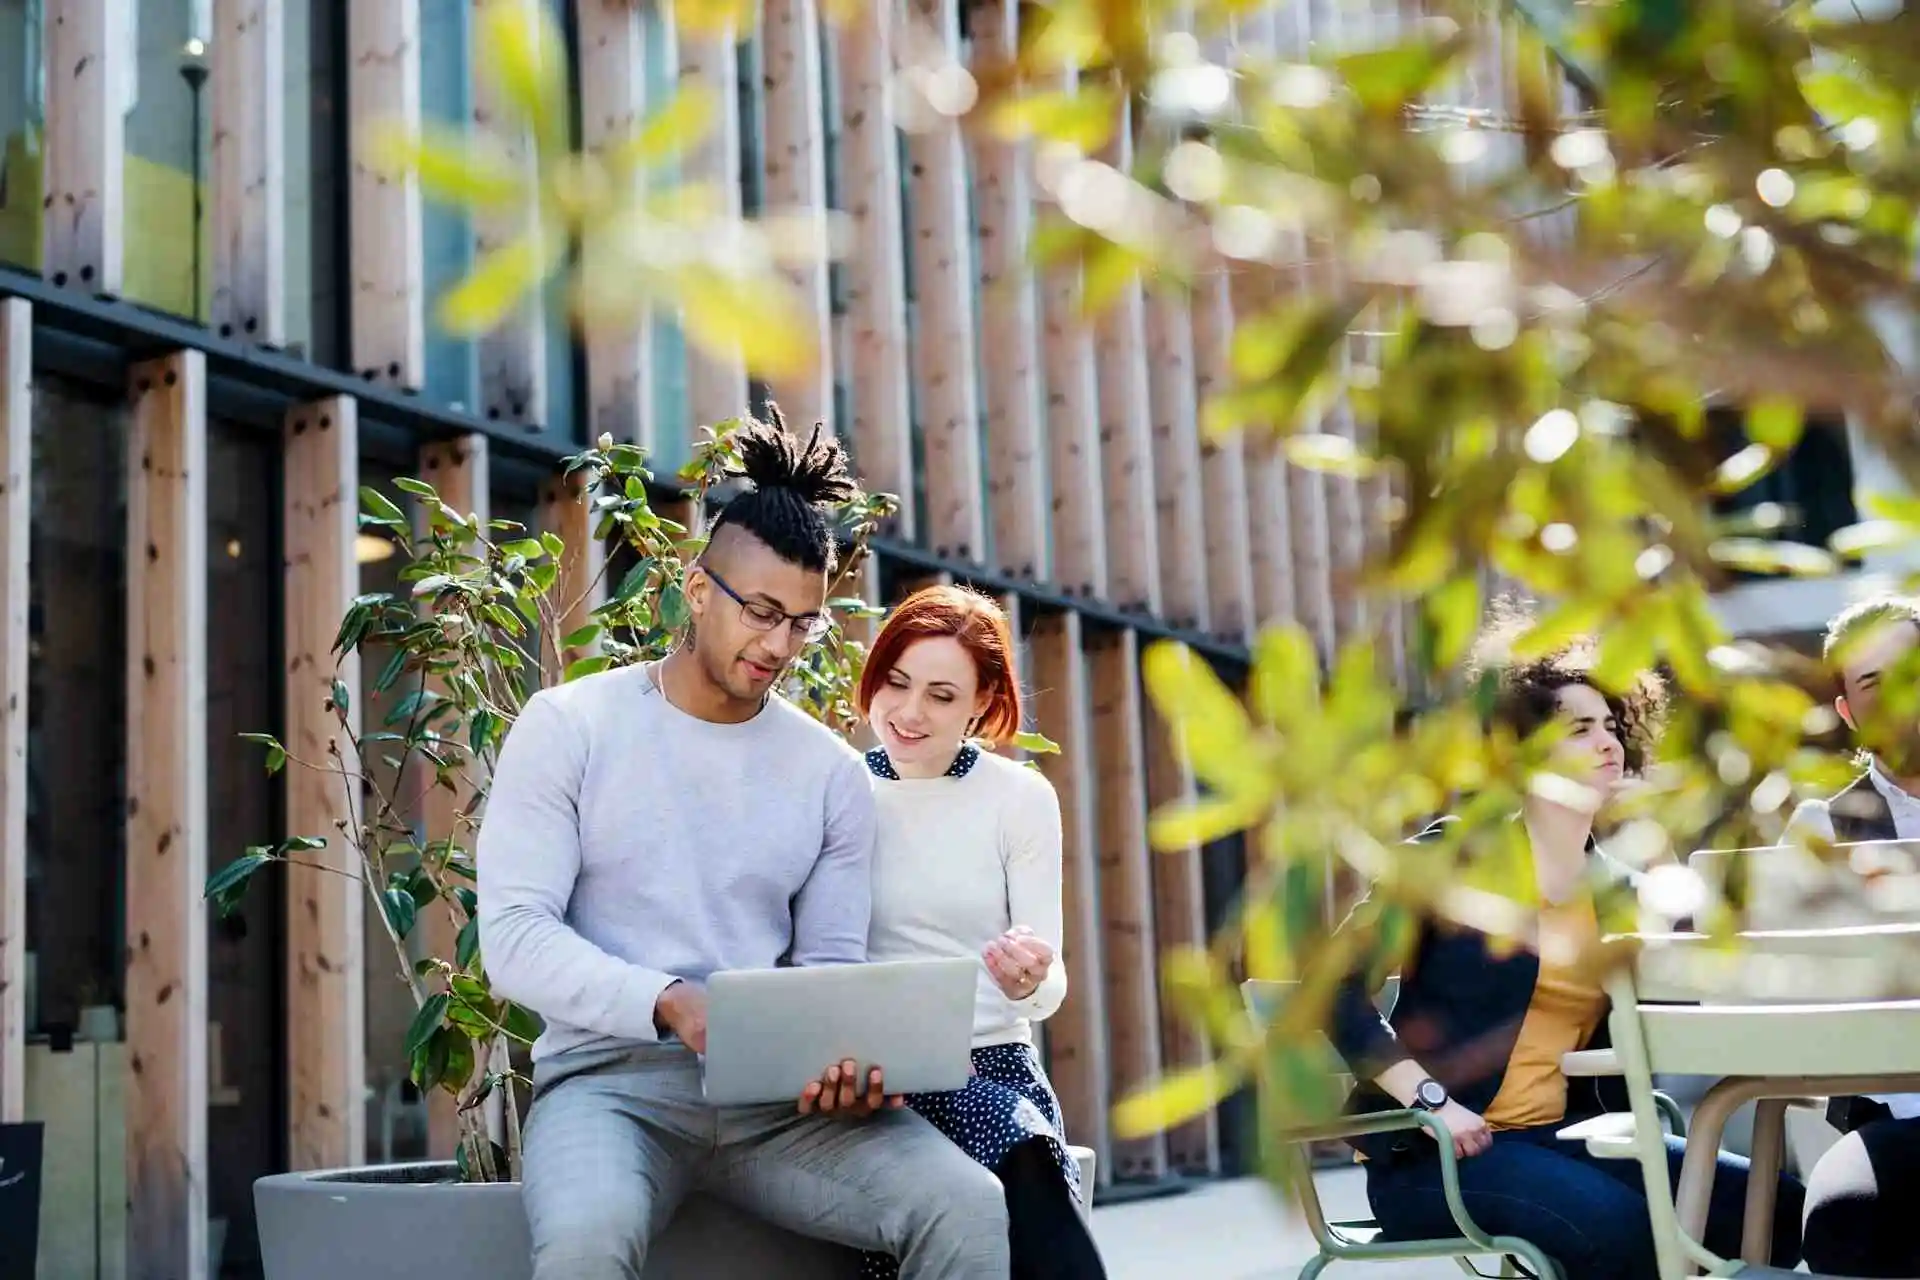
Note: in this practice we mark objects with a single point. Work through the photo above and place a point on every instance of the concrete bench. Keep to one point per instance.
(316, 1226)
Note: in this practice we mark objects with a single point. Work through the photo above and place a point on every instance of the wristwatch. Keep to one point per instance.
(1429, 1095)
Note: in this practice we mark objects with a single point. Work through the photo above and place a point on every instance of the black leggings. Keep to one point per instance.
(1861, 1197)
(1048, 1237)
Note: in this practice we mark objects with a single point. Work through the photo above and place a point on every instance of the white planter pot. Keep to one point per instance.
(401, 1222)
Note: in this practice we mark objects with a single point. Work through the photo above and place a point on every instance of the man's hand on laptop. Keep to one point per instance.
(682, 1009)
(837, 1093)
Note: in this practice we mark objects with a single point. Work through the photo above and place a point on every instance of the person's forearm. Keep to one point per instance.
(1400, 1080)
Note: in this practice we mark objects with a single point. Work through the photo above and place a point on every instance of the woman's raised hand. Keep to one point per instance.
(1018, 960)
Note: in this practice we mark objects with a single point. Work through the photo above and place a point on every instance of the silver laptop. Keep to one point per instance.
(771, 1031)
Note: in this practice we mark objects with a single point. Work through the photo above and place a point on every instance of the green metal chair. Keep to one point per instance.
(1358, 1239)
(1685, 1008)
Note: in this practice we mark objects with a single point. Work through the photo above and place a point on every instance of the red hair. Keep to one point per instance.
(979, 624)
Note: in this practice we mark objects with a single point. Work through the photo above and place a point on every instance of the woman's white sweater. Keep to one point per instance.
(958, 862)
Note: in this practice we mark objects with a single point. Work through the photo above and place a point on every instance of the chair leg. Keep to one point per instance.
(1315, 1265)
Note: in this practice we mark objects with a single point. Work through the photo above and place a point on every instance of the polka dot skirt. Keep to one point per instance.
(1008, 1102)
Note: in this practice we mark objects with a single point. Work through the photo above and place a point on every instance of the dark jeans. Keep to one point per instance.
(1858, 1199)
(1588, 1214)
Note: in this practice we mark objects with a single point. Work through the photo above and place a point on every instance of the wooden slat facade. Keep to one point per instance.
(167, 670)
(1077, 1054)
(1056, 463)
(326, 945)
(945, 343)
(613, 100)
(83, 233)
(1012, 375)
(16, 528)
(249, 196)
(388, 302)
(794, 167)
(458, 470)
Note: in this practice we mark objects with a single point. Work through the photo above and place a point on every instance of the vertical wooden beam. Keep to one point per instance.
(513, 356)
(1126, 430)
(566, 509)
(1269, 537)
(1009, 324)
(249, 171)
(458, 470)
(873, 280)
(794, 170)
(1126, 887)
(1222, 469)
(326, 913)
(1178, 509)
(1076, 1034)
(1073, 431)
(83, 243)
(16, 534)
(944, 350)
(166, 1098)
(1179, 922)
(716, 381)
(613, 102)
(388, 259)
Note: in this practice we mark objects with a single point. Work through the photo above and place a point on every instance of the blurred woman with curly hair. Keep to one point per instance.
(1479, 1031)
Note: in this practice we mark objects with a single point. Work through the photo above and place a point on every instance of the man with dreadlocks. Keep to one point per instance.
(653, 825)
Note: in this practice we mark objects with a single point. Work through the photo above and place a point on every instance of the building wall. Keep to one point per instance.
(1064, 473)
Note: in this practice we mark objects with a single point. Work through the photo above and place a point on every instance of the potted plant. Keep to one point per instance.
(459, 654)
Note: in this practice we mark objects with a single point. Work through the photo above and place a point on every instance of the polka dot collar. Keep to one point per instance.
(962, 763)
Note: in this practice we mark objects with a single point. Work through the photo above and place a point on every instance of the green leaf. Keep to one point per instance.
(380, 507)
(498, 284)
(1193, 823)
(1871, 535)
(1759, 555)
(1035, 743)
(341, 699)
(390, 671)
(466, 949)
(459, 1058)
(1452, 612)
(1175, 1099)
(228, 885)
(401, 910)
(674, 613)
(1775, 422)
(418, 488)
(588, 666)
(1330, 455)
(1204, 715)
(433, 1012)
(581, 638)
(521, 1023)
(276, 754)
(634, 582)
(679, 124)
(1286, 674)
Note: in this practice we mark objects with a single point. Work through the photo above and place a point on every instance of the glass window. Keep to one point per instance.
(672, 445)
(244, 950)
(448, 236)
(76, 681)
(22, 119)
(76, 804)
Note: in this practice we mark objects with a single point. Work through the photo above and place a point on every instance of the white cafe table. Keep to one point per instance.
(1788, 1014)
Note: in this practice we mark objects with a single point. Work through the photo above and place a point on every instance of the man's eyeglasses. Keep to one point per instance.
(809, 627)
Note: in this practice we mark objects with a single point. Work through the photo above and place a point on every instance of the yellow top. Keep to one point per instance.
(1567, 1006)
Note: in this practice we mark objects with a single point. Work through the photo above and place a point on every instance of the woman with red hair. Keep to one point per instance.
(968, 862)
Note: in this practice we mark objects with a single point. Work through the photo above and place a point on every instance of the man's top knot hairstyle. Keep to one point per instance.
(792, 490)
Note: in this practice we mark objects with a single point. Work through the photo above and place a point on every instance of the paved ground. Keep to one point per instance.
(1237, 1230)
